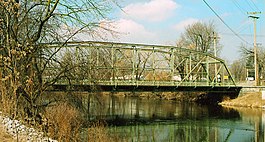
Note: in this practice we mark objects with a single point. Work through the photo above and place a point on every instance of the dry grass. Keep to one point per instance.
(98, 133)
(63, 122)
(8, 104)
(4, 137)
(250, 99)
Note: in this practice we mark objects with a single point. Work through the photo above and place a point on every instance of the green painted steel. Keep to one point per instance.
(107, 63)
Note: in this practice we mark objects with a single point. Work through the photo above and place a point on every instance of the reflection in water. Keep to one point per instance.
(161, 120)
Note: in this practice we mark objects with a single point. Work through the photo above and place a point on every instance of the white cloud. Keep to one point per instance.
(123, 30)
(154, 10)
(183, 24)
(130, 31)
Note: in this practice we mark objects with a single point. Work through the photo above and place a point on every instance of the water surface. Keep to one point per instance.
(162, 120)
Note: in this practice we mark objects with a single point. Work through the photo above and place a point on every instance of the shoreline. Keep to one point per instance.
(246, 99)
(14, 130)
(249, 97)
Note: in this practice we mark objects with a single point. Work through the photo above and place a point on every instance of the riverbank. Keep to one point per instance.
(14, 130)
(247, 99)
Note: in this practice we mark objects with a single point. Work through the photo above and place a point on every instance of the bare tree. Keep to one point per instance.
(199, 36)
(238, 70)
(24, 26)
(247, 58)
(261, 63)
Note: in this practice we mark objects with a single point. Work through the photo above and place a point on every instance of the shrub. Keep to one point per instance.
(64, 122)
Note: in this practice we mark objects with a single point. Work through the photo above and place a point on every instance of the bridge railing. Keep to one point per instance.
(140, 83)
(106, 63)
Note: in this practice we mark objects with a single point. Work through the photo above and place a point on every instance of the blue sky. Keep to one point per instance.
(162, 21)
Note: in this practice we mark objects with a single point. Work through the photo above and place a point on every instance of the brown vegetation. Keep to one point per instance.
(250, 99)
(98, 133)
(64, 122)
(24, 62)
(4, 136)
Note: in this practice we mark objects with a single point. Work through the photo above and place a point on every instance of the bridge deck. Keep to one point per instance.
(261, 87)
(143, 86)
(155, 83)
(148, 88)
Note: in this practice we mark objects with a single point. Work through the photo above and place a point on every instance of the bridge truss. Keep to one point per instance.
(123, 64)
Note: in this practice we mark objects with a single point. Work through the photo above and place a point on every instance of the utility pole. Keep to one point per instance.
(215, 53)
(252, 15)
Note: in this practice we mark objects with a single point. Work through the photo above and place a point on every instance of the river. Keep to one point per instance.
(138, 119)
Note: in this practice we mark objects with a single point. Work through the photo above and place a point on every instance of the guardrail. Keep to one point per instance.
(141, 83)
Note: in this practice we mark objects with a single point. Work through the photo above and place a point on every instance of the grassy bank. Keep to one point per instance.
(62, 119)
(248, 99)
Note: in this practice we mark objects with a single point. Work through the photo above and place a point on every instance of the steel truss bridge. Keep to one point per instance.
(127, 67)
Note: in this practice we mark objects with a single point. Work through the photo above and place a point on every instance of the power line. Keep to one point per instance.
(250, 5)
(255, 5)
(246, 35)
(244, 12)
(243, 28)
(239, 7)
(225, 23)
